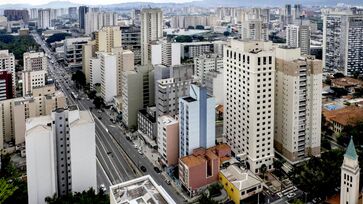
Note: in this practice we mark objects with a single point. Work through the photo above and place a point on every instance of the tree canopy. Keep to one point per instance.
(79, 78)
(57, 37)
(183, 38)
(85, 197)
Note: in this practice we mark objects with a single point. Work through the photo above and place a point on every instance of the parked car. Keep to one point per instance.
(143, 169)
(157, 170)
(167, 181)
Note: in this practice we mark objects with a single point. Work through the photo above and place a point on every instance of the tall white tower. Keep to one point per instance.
(349, 183)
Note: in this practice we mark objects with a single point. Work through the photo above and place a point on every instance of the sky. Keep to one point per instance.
(92, 2)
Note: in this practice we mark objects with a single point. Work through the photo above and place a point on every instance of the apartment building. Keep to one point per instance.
(206, 63)
(7, 63)
(168, 140)
(34, 72)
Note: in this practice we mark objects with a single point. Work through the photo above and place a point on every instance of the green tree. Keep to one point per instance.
(338, 75)
(85, 197)
(98, 101)
(205, 199)
(79, 78)
(226, 33)
(92, 94)
(199, 27)
(215, 189)
(57, 37)
(6, 190)
(183, 38)
(190, 27)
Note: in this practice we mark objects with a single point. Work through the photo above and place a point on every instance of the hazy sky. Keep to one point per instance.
(37, 2)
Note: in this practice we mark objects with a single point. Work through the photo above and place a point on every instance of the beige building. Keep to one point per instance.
(249, 84)
(88, 51)
(13, 112)
(34, 72)
(298, 91)
(151, 30)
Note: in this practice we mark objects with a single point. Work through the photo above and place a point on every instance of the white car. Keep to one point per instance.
(291, 195)
(103, 187)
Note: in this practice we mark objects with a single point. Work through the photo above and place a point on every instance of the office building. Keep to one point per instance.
(342, 43)
(95, 21)
(191, 50)
(146, 124)
(196, 120)
(44, 18)
(288, 14)
(17, 15)
(151, 30)
(254, 29)
(350, 173)
(14, 112)
(202, 166)
(207, 63)
(34, 72)
(249, 84)
(168, 140)
(72, 12)
(73, 51)
(297, 105)
(6, 85)
(297, 12)
(139, 190)
(82, 11)
(60, 154)
(7, 63)
(33, 13)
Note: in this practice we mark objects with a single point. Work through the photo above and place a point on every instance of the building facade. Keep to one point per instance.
(7, 63)
(73, 51)
(249, 84)
(168, 140)
(34, 72)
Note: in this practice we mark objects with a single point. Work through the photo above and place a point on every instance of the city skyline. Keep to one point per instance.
(40, 2)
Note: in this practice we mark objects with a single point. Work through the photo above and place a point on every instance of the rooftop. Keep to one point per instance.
(345, 116)
(240, 178)
(346, 82)
(141, 190)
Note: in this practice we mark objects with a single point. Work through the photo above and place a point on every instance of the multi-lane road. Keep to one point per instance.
(117, 159)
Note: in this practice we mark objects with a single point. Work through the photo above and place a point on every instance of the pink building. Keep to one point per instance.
(202, 167)
(168, 140)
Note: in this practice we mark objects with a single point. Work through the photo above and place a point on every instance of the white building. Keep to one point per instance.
(249, 83)
(196, 120)
(95, 71)
(349, 180)
(73, 51)
(34, 72)
(7, 63)
(108, 63)
(297, 105)
(206, 63)
(140, 190)
(95, 21)
(165, 53)
(298, 36)
(44, 18)
(151, 30)
(61, 154)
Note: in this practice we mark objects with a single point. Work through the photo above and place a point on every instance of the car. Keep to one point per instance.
(99, 111)
(157, 170)
(99, 118)
(135, 146)
(103, 187)
(140, 152)
(143, 169)
(291, 195)
(167, 181)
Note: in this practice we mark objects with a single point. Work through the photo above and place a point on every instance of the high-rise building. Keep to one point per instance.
(288, 14)
(254, 29)
(17, 15)
(82, 10)
(95, 21)
(14, 112)
(88, 52)
(207, 63)
(72, 12)
(297, 11)
(73, 51)
(168, 91)
(151, 30)
(350, 173)
(108, 76)
(196, 120)
(60, 154)
(298, 36)
(249, 84)
(6, 85)
(168, 140)
(297, 105)
(33, 13)
(34, 72)
(165, 52)
(131, 40)
(44, 18)
(342, 43)
(108, 38)
(7, 63)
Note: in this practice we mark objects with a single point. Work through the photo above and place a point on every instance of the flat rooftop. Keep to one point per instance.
(142, 190)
